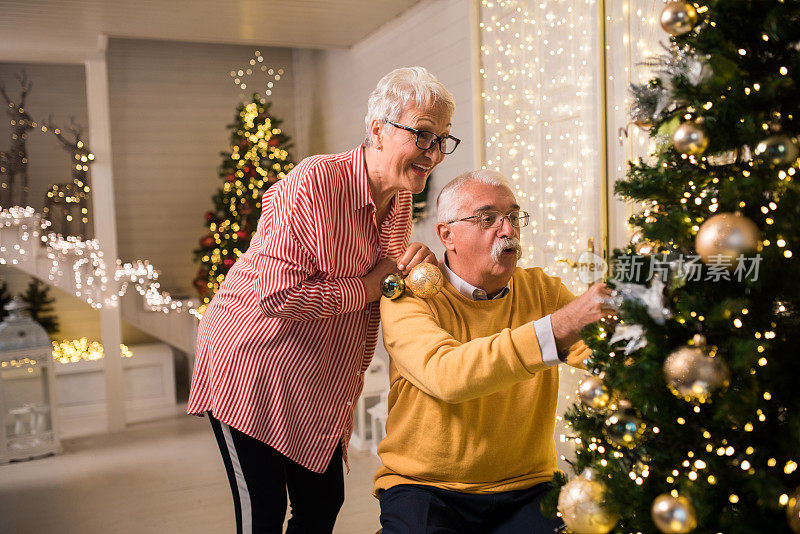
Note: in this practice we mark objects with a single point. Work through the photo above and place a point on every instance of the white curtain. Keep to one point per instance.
(544, 119)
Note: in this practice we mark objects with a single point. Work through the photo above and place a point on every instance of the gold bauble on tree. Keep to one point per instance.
(793, 511)
(581, 505)
(424, 281)
(690, 138)
(694, 375)
(673, 515)
(678, 18)
(593, 393)
(778, 150)
(723, 237)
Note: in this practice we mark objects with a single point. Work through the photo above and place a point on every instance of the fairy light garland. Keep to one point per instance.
(75, 350)
(94, 281)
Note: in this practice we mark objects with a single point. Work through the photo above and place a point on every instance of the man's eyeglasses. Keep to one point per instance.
(426, 140)
(494, 219)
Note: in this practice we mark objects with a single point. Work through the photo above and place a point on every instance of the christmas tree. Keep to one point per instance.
(40, 305)
(5, 298)
(258, 158)
(689, 420)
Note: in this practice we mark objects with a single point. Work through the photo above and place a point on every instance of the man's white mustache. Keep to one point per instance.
(503, 244)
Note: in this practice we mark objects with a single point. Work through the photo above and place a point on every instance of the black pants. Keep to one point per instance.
(260, 477)
(417, 509)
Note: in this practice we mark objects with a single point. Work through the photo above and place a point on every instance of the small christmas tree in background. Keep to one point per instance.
(5, 298)
(690, 421)
(40, 305)
(258, 158)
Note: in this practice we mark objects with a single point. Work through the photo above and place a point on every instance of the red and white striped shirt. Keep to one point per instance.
(283, 346)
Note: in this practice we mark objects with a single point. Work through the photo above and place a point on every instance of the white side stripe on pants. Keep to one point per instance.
(241, 483)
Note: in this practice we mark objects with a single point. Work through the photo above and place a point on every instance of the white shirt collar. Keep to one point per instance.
(467, 289)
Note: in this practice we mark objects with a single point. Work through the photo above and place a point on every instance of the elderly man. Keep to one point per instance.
(469, 439)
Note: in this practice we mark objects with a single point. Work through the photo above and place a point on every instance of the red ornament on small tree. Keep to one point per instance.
(207, 241)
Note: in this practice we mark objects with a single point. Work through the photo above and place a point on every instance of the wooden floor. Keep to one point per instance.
(163, 477)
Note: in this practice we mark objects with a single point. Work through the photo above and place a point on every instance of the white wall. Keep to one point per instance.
(435, 34)
(170, 103)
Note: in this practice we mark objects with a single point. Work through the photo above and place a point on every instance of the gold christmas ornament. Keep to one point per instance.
(793, 511)
(694, 375)
(673, 515)
(593, 393)
(690, 138)
(392, 286)
(678, 18)
(581, 505)
(424, 281)
(643, 123)
(778, 150)
(623, 426)
(722, 238)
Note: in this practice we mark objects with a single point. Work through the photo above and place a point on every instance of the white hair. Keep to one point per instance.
(450, 201)
(401, 87)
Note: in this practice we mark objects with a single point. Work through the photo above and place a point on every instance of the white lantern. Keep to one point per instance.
(27, 404)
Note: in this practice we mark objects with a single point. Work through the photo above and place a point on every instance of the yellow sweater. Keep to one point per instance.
(472, 406)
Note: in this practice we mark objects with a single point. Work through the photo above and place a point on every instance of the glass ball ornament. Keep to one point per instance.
(425, 280)
(581, 505)
(694, 375)
(623, 427)
(392, 286)
(793, 511)
(690, 138)
(673, 515)
(778, 150)
(723, 237)
(678, 18)
(593, 393)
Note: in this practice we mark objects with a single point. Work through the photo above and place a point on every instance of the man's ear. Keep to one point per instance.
(445, 234)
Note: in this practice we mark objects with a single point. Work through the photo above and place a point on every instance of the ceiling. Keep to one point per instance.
(68, 30)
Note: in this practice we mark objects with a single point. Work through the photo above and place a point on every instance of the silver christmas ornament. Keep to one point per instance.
(581, 505)
(633, 333)
(593, 393)
(778, 150)
(623, 427)
(678, 18)
(690, 138)
(729, 157)
(673, 515)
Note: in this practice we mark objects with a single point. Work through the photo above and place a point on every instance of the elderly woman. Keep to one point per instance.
(283, 346)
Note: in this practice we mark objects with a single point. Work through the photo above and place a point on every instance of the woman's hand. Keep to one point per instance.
(373, 279)
(415, 254)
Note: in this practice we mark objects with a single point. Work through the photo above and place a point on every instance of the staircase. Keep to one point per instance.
(78, 267)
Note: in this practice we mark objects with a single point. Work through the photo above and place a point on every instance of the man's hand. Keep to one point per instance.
(588, 308)
(372, 280)
(415, 254)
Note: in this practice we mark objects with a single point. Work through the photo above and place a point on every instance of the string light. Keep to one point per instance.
(91, 279)
(82, 349)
